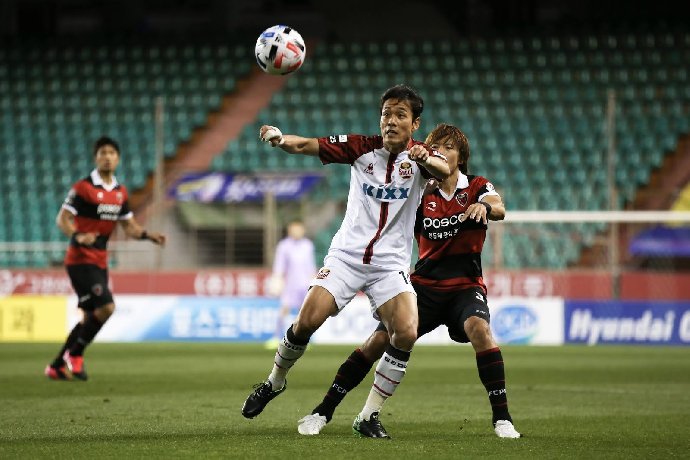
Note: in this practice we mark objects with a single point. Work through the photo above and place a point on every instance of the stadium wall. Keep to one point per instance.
(531, 308)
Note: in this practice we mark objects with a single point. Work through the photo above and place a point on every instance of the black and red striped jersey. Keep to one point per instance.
(450, 250)
(96, 207)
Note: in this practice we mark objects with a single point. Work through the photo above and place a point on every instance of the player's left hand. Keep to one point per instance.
(419, 154)
(157, 238)
(476, 212)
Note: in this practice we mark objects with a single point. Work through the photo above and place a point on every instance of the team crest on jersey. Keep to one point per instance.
(431, 206)
(369, 169)
(323, 273)
(97, 289)
(118, 195)
(405, 170)
(462, 198)
(99, 195)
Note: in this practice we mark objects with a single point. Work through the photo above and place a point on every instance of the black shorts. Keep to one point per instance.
(448, 308)
(90, 282)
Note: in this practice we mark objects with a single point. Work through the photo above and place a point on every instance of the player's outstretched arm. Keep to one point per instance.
(436, 166)
(289, 143)
(134, 230)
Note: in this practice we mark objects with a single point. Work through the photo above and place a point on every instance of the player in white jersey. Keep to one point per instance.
(372, 250)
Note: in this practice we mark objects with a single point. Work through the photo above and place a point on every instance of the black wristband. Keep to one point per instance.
(487, 206)
(74, 236)
(144, 235)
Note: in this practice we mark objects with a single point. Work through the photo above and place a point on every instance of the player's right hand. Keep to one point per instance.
(86, 239)
(271, 134)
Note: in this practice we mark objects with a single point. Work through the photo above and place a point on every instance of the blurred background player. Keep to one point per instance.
(450, 231)
(372, 249)
(293, 269)
(88, 217)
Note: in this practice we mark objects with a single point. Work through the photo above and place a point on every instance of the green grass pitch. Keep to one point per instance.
(172, 400)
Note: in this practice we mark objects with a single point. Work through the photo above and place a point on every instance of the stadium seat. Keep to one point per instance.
(532, 106)
(55, 111)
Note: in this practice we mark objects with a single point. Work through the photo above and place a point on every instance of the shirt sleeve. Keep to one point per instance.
(125, 212)
(486, 188)
(73, 201)
(346, 148)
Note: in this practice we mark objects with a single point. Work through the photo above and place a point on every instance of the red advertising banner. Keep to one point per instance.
(240, 283)
(660, 286)
(576, 285)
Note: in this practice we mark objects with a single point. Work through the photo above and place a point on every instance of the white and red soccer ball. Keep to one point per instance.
(280, 50)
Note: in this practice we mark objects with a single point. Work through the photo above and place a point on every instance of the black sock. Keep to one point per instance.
(293, 338)
(350, 374)
(492, 375)
(88, 332)
(69, 342)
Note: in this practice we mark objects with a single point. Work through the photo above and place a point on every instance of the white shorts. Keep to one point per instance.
(343, 280)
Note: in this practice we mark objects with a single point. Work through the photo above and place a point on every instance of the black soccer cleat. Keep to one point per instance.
(262, 395)
(371, 428)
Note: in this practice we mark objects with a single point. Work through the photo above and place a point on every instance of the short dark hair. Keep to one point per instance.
(103, 141)
(443, 132)
(405, 93)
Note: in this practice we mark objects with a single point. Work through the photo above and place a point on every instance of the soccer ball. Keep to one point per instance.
(280, 50)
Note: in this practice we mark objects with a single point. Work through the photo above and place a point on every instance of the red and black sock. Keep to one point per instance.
(58, 362)
(350, 374)
(88, 331)
(492, 375)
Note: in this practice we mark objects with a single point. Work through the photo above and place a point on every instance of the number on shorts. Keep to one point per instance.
(405, 276)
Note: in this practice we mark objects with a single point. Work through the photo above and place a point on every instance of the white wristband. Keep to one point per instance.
(271, 133)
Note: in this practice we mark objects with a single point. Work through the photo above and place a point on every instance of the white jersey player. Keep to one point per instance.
(372, 250)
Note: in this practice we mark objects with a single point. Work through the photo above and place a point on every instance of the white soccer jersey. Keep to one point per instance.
(385, 191)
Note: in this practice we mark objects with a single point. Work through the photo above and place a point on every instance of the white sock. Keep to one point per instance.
(286, 356)
(389, 373)
(374, 404)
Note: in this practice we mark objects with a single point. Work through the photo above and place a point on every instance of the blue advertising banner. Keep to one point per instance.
(191, 318)
(627, 322)
(662, 241)
(228, 187)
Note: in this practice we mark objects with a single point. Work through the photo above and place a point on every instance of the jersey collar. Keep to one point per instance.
(98, 180)
(463, 183)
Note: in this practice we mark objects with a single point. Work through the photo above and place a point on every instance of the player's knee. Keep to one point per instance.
(404, 337)
(477, 329)
(104, 312)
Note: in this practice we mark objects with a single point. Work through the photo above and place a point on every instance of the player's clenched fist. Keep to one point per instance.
(271, 134)
(419, 153)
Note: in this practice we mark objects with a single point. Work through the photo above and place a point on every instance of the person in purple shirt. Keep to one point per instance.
(293, 269)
